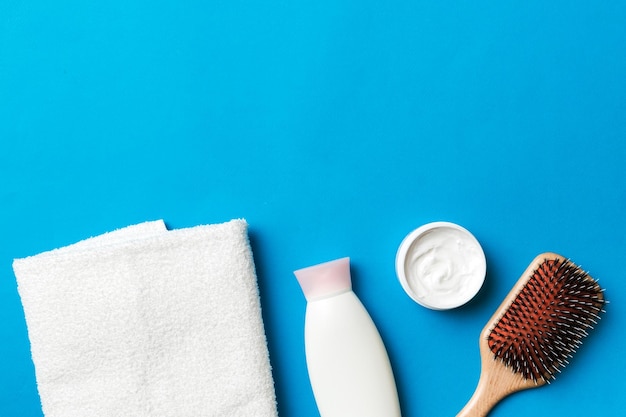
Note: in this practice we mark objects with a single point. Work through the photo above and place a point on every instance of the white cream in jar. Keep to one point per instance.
(441, 265)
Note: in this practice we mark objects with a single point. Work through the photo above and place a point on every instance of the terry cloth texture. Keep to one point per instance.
(145, 322)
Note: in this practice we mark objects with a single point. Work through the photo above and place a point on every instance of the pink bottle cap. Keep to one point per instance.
(325, 279)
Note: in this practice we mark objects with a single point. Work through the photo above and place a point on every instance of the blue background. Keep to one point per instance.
(334, 128)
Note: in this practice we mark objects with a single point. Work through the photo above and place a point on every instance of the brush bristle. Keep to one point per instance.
(546, 322)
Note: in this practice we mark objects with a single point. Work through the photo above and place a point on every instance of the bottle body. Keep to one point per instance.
(348, 366)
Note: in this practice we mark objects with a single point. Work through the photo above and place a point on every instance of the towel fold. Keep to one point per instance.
(148, 322)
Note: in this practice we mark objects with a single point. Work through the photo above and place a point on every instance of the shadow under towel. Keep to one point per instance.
(149, 322)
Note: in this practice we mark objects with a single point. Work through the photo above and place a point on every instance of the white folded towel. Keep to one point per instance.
(148, 322)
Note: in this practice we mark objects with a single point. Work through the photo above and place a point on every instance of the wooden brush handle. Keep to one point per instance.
(486, 396)
(478, 406)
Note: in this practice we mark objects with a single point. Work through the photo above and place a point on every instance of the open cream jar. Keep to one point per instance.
(441, 265)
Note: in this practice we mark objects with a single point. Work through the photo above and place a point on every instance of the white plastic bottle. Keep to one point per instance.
(347, 361)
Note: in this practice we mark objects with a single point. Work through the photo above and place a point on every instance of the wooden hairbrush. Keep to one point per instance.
(536, 329)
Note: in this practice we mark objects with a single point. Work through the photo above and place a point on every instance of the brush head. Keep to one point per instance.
(547, 320)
